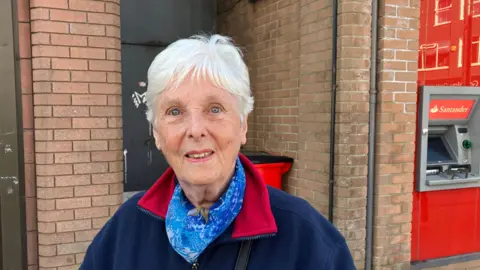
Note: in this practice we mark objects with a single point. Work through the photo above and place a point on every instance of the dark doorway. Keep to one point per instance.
(12, 179)
(143, 162)
(147, 27)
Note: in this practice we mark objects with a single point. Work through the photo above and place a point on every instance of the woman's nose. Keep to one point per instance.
(196, 128)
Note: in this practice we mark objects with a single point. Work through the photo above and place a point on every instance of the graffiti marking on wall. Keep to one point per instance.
(138, 99)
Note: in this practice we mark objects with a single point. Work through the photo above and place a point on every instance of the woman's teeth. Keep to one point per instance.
(199, 156)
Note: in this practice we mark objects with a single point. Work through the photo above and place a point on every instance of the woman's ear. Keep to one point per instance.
(244, 130)
(157, 140)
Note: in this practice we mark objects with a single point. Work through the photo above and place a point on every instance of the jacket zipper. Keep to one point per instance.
(256, 237)
(195, 266)
(150, 213)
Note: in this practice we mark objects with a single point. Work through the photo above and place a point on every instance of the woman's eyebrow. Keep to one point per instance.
(168, 102)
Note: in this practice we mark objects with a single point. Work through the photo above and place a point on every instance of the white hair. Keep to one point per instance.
(213, 56)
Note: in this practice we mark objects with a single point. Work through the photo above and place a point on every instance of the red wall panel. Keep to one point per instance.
(446, 223)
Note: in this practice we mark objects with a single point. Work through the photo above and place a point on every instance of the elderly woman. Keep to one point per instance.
(211, 208)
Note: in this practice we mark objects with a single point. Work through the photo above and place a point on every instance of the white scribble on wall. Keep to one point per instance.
(139, 99)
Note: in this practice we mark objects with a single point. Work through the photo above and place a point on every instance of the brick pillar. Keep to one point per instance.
(353, 79)
(78, 136)
(397, 85)
(314, 103)
(23, 17)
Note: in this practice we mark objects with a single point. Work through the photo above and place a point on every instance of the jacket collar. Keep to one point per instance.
(255, 218)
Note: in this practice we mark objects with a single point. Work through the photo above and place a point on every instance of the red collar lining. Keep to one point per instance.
(255, 217)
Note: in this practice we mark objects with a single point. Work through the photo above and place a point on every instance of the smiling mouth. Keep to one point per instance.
(200, 155)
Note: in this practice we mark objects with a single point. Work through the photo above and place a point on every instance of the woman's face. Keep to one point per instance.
(199, 131)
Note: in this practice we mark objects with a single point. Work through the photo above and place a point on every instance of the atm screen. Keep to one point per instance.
(437, 151)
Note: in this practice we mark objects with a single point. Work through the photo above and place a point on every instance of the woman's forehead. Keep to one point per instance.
(195, 90)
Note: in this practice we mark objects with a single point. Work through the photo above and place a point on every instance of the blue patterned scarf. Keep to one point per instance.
(189, 235)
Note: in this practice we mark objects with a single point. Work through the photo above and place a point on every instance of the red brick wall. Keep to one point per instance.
(272, 53)
(23, 17)
(397, 85)
(77, 113)
(288, 50)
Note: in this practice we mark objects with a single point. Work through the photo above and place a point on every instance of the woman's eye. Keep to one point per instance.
(215, 110)
(174, 112)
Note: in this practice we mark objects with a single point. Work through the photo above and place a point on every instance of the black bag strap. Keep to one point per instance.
(243, 255)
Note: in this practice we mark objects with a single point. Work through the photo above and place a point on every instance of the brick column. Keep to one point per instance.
(351, 160)
(78, 136)
(397, 85)
(23, 17)
(314, 103)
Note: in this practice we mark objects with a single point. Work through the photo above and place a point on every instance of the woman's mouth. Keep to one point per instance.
(199, 155)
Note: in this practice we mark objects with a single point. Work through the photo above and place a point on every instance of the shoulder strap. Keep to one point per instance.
(243, 255)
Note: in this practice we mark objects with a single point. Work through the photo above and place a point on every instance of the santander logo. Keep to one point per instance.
(450, 109)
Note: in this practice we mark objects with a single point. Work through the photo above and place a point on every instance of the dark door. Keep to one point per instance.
(143, 162)
(148, 26)
(12, 180)
(154, 22)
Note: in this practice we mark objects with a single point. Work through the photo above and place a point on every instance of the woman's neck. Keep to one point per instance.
(206, 195)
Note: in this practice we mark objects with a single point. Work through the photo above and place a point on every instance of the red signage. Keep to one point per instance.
(450, 108)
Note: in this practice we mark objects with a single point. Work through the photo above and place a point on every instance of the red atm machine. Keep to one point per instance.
(446, 199)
